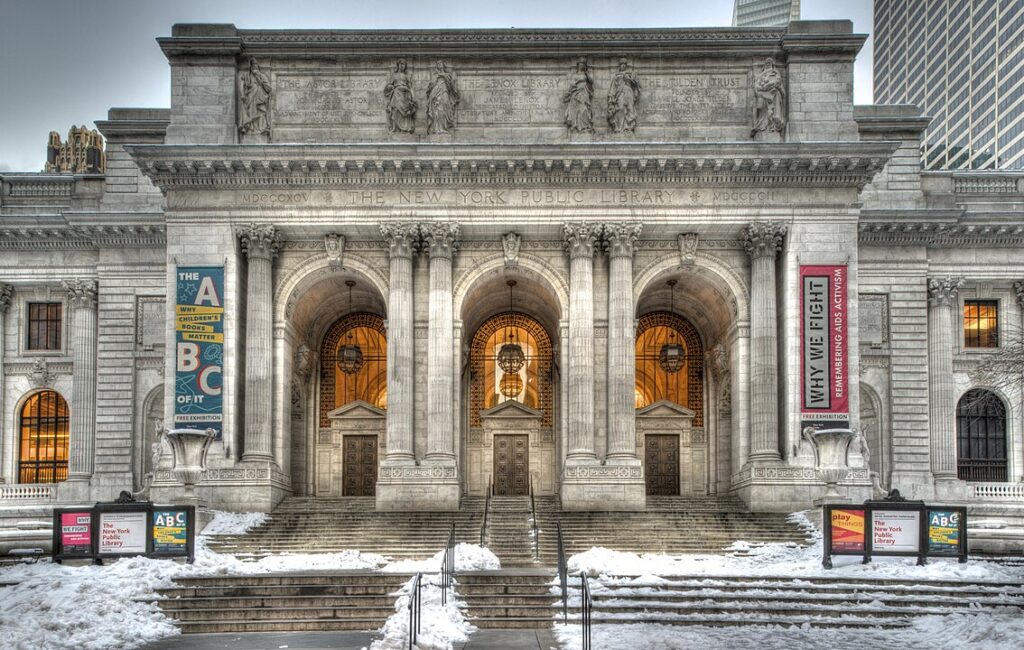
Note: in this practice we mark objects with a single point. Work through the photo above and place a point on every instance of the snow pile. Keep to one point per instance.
(440, 625)
(468, 557)
(233, 523)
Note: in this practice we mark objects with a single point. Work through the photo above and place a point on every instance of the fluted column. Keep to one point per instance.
(260, 243)
(441, 241)
(620, 240)
(82, 441)
(942, 294)
(579, 240)
(402, 239)
(6, 291)
(762, 241)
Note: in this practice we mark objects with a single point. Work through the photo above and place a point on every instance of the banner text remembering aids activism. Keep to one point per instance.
(824, 385)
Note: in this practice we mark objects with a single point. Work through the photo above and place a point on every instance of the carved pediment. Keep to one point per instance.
(357, 409)
(665, 409)
(510, 409)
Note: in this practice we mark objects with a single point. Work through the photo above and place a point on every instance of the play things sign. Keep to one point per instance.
(824, 384)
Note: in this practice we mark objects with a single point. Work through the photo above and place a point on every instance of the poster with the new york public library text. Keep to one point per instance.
(199, 348)
(824, 354)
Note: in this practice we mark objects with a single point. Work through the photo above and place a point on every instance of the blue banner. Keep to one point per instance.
(199, 348)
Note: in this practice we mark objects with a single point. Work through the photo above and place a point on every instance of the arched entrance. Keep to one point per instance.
(981, 437)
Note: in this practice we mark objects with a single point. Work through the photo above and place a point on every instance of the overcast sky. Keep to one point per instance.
(67, 62)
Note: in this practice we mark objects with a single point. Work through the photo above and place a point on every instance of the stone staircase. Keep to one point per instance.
(286, 602)
(317, 525)
(509, 533)
(510, 598)
(815, 601)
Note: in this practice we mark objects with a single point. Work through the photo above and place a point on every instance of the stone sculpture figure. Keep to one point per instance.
(579, 115)
(769, 100)
(442, 100)
(622, 99)
(254, 101)
(399, 104)
(510, 243)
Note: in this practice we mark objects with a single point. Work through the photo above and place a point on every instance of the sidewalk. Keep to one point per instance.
(481, 640)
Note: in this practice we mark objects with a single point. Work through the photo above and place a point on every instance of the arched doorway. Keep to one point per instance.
(981, 437)
(43, 425)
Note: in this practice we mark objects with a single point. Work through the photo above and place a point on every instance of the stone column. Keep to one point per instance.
(6, 291)
(620, 239)
(441, 241)
(762, 241)
(942, 293)
(260, 243)
(403, 240)
(82, 443)
(579, 240)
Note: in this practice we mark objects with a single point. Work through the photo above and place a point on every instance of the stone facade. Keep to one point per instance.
(298, 174)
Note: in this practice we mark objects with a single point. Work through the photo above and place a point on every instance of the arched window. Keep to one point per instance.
(369, 383)
(981, 437)
(655, 382)
(44, 439)
(533, 386)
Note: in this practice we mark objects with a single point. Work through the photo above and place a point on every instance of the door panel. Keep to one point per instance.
(360, 466)
(511, 465)
(661, 464)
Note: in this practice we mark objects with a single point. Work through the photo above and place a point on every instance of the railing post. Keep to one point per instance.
(563, 578)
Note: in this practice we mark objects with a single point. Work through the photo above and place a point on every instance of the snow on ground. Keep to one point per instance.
(440, 625)
(468, 557)
(233, 523)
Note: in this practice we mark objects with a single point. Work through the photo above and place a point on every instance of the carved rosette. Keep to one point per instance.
(402, 238)
(6, 292)
(687, 248)
(81, 292)
(260, 240)
(943, 291)
(578, 239)
(440, 239)
(763, 238)
(335, 245)
(620, 238)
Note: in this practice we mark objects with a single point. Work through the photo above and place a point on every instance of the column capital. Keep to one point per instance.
(620, 238)
(402, 238)
(943, 291)
(763, 238)
(81, 292)
(260, 240)
(578, 239)
(6, 292)
(440, 239)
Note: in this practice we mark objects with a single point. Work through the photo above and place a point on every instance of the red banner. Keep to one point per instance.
(824, 378)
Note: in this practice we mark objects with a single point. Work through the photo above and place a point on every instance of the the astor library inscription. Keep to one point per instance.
(334, 99)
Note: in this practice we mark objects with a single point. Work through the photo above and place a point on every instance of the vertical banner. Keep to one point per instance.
(847, 531)
(824, 384)
(199, 347)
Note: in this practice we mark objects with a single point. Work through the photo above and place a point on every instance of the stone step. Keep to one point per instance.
(288, 625)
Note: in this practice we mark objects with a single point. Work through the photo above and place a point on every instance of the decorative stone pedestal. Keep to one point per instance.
(593, 487)
(430, 488)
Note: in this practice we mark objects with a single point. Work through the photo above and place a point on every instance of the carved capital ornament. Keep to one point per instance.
(402, 238)
(763, 238)
(943, 291)
(81, 292)
(260, 240)
(441, 239)
(578, 239)
(6, 292)
(620, 238)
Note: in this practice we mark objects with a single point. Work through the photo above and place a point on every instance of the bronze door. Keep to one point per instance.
(661, 464)
(360, 466)
(512, 465)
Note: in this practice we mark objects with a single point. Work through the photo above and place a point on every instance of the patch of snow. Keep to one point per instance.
(468, 557)
(440, 625)
(986, 523)
(233, 523)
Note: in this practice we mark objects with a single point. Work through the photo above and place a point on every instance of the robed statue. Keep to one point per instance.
(442, 100)
(623, 96)
(769, 100)
(400, 105)
(578, 100)
(253, 101)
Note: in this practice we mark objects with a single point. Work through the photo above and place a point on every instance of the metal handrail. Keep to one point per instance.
(586, 609)
(563, 578)
(533, 511)
(448, 565)
(487, 507)
(415, 604)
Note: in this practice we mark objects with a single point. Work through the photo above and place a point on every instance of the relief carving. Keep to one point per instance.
(510, 244)
(578, 100)
(687, 248)
(400, 105)
(623, 96)
(253, 101)
(40, 375)
(335, 245)
(6, 291)
(769, 100)
(442, 100)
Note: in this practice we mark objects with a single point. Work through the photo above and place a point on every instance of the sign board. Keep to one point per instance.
(947, 531)
(173, 531)
(847, 527)
(199, 347)
(824, 385)
(73, 533)
(122, 532)
(895, 531)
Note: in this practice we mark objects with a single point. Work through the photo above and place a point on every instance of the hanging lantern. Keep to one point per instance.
(672, 354)
(511, 385)
(510, 356)
(350, 356)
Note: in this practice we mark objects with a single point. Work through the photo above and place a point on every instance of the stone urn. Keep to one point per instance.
(189, 447)
(830, 449)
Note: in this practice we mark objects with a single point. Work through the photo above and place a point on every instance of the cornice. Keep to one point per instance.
(207, 167)
(940, 233)
(31, 234)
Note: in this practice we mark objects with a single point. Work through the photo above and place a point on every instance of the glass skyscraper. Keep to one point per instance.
(765, 13)
(962, 62)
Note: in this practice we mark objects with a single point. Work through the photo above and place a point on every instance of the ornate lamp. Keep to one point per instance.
(510, 356)
(672, 354)
(511, 385)
(350, 357)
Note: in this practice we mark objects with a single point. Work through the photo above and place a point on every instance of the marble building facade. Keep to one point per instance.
(385, 188)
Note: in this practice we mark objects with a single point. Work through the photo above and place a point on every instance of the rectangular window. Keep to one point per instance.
(981, 324)
(44, 325)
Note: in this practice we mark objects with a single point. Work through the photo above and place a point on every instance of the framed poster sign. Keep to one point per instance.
(896, 531)
(123, 531)
(947, 532)
(173, 532)
(72, 534)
